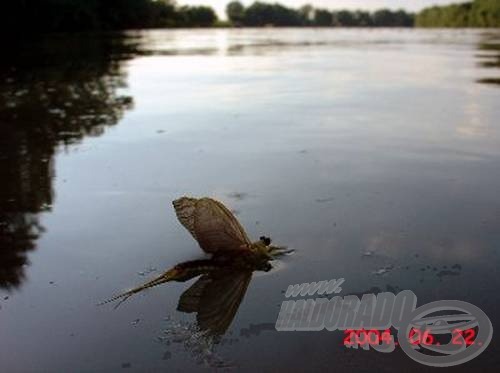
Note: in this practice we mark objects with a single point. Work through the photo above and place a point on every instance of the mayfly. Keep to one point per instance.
(218, 233)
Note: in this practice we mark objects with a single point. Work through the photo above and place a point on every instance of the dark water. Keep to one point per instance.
(334, 143)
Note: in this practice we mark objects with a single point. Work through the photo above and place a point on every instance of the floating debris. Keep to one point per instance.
(383, 270)
(147, 271)
(238, 195)
(367, 253)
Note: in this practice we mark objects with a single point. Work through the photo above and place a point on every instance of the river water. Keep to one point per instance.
(374, 154)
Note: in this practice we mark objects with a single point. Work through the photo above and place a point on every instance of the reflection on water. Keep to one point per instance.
(489, 57)
(374, 152)
(52, 94)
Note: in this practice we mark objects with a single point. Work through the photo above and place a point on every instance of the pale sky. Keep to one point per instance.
(412, 5)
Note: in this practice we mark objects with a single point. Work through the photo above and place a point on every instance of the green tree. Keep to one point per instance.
(235, 12)
(263, 14)
(383, 17)
(363, 19)
(344, 18)
(32, 17)
(323, 17)
(197, 16)
(485, 13)
(479, 13)
(306, 13)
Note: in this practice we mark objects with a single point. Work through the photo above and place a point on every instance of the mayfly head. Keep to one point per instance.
(265, 240)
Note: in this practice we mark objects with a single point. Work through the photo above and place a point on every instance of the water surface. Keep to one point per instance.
(336, 143)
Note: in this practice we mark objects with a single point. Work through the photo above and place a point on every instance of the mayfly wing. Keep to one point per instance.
(185, 209)
(216, 299)
(211, 224)
(217, 228)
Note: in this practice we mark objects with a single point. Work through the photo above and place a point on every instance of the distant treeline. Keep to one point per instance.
(266, 14)
(478, 13)
(37, 16)
(26, 16)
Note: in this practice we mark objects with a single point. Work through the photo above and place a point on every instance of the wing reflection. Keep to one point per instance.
(215, 298)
